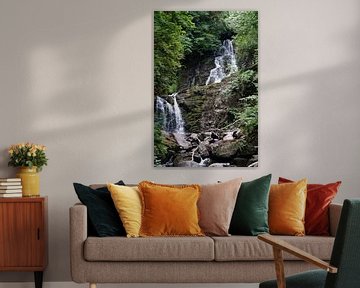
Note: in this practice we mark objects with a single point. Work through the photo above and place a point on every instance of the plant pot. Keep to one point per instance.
(30, 181)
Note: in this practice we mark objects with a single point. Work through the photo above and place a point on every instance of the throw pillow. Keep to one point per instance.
(319, 197)
(250, 215)
(127, 201)
(102, 214)
(169, 210)
(216, 206)
(287, 208)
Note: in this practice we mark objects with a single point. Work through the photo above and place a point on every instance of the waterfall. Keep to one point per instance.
(179, 122)
(165, 111)
(225, 63)
(170, 115)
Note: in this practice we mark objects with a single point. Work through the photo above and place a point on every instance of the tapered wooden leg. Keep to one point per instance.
(279, 267)
(38, 275)
(92, 285)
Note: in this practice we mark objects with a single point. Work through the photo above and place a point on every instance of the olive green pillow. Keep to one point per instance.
(250, 216)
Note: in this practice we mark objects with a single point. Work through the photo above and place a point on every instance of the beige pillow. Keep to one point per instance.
(216, 206)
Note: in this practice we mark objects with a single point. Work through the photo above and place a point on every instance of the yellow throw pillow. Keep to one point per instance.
(169, 210)
(127, 201)
(287, 204)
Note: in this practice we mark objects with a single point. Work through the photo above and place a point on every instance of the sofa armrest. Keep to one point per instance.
(78, 235)
(334, 216)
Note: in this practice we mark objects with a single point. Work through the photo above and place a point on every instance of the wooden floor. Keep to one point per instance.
(74, 285)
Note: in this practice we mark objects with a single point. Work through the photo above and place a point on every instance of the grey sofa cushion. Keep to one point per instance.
(149, 249)
(249, 248)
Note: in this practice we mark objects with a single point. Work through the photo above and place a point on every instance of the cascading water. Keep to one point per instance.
(170, 115)
(225, 63)
(179, 121)
(165, 112)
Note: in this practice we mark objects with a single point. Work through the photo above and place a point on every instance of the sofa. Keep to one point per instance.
(233, 259)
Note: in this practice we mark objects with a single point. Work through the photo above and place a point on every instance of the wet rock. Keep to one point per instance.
(182, 156)
(248, 150)
(237, 134)
(188, 164)
(203, 149)
(201, 136)
(226, 149)
(194, 137)
(253, 161)
(214, 135)
(241, 162)
(197, 158)
(206, 162)
(182, 142)
(228, 136)
(220, 165)
(212, 140)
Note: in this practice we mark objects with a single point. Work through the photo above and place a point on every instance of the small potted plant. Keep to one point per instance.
(30, 158)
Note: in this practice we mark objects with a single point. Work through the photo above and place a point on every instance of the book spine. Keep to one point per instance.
(10, 180)
(10, 191)
(10, 183)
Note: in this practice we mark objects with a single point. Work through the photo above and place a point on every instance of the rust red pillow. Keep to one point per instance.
(319, 197)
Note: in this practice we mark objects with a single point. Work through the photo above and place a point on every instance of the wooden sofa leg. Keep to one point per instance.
(92, 285)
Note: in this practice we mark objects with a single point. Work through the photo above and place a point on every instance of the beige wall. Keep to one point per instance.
(77, 76)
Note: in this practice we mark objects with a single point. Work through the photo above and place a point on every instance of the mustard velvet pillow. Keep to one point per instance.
(169, 210)
(287, 204)
(127, 201)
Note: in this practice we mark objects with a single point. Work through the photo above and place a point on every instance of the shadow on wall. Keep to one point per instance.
(317, 109)
(67, 80)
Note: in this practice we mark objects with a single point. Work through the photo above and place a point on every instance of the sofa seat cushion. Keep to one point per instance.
(149, 249)
(244, 248)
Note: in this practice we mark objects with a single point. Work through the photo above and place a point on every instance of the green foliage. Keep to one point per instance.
(207, 33)
(244, 84)
(160, 149)
(246, 119)
(245, 25)
(181, 36)
(170, 44)
(27, 155)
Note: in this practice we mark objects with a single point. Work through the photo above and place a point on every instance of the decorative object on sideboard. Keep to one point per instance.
(30, 158)
(10, 187)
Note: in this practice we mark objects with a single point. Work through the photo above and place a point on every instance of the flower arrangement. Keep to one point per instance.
(27, 155)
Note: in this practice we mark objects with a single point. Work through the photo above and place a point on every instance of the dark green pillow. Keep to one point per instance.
(250, 216)
(103, 218)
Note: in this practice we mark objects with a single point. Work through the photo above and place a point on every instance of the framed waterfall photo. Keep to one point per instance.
(205, 88)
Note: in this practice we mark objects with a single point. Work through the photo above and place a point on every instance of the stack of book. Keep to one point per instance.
(10, 187)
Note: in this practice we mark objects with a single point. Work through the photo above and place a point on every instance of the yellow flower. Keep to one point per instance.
(28, 154)
(11, 151)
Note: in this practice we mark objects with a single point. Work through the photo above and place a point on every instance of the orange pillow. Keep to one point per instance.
(169, 210)
(319, 197)
(287, 204)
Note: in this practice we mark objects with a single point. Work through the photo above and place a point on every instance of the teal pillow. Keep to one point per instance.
(250, 216)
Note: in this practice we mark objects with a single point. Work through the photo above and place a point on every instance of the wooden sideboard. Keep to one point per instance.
(23, 235)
